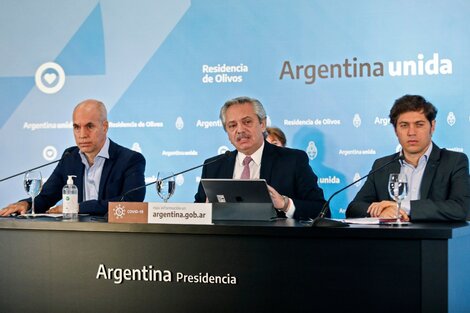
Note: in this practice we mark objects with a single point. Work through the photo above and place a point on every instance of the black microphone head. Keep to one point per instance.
(227, 153)
(66, 154)
(400, 156)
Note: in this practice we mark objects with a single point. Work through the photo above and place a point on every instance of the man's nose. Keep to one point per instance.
(240, 129)
(411, 130)
(83, 133)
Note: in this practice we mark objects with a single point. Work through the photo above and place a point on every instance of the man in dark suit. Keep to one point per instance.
(438, 179)
(292, 184)
(104, 170)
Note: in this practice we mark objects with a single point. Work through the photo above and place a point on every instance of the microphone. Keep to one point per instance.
(322, 221)
(66, 153)
(223, 156)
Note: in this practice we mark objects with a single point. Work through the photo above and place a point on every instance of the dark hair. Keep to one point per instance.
(412, 103)
(278, 133)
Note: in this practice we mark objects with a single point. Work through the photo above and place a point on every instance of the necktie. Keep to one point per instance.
(246, 167)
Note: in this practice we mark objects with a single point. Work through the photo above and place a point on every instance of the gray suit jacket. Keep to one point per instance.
(445, 188)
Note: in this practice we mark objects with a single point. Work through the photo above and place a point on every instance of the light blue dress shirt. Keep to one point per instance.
(92, 175)
(414, 175)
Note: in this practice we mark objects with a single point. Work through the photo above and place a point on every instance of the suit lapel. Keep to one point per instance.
(267, 161)
(229, 165)
(430, 171)
(78, 181)
(108, 165)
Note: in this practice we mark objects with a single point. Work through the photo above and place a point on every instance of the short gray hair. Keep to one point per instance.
(257, 106)
(95, 105)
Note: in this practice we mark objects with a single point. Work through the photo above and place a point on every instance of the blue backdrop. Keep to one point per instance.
(326, 71)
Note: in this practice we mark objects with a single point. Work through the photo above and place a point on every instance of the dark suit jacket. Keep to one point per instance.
(445, 188)
(286, 170)
(123, 171)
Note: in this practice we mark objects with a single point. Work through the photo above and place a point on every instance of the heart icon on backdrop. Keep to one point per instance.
(50, 77)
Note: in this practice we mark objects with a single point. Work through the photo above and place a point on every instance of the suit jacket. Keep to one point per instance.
(444, 191)
(286, 170)
(123, 171)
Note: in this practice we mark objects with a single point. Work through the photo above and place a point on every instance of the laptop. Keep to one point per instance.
(239, 199)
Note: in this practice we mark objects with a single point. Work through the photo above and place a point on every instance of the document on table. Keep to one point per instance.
(363, 221)
(40, 215)
(375, 221)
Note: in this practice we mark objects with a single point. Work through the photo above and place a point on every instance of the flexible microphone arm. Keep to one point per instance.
(35, 168)
(321, 221)
(223, 156)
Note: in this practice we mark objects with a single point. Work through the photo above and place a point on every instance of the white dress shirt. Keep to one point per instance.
(255, 166)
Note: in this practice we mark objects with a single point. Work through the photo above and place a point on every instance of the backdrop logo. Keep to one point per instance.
(268, 121)
(50, 77)
(357, 120)
(179, 179)
(49, 153)
(451, 119)
(179, 124)
(353, 68)
(356, 177)
(136, 147)
(312, 150)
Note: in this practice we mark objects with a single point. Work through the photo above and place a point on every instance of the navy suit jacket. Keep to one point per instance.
(444, 191)
(286, 170)
(123, 171)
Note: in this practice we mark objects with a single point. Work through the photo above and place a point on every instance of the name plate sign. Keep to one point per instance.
(179, 213)
(160, 213)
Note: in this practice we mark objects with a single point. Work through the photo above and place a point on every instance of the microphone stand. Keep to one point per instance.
(225, 155)
(34, 168)
(322, 221)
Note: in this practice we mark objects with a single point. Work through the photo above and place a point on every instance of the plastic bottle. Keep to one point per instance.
(70, 200)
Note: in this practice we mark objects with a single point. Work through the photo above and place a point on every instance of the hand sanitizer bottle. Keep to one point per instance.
(70, 200)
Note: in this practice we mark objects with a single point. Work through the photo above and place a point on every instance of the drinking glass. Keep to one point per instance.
(165, 185)
(398, 189)
(32, 184)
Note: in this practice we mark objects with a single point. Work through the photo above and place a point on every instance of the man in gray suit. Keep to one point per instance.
(438, 179)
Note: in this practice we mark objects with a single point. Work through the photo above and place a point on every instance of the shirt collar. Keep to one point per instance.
(256, 156)
(104, 152)
(427, 154)
(424, 158)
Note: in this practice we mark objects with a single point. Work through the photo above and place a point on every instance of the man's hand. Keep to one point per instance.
(386, 209)
(376, 208)
(279, 202)
(392, 213)
(19, 208)
(55, 209)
